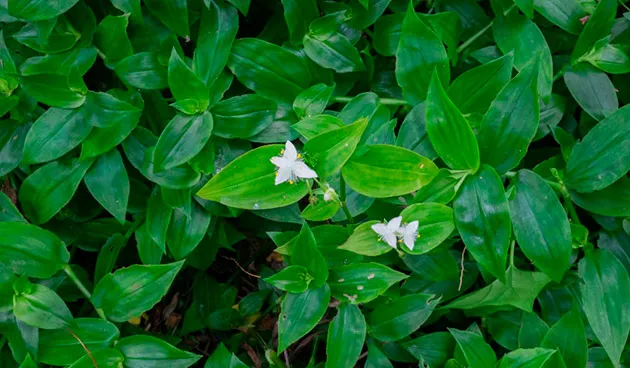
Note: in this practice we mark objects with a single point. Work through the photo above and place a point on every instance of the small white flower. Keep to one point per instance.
(388, 231)
(409, 234)
(291, 168)
(330, 194)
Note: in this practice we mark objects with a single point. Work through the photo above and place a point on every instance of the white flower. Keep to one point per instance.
(330, 194)
(388, 231)
(290, 166)
(408, 234)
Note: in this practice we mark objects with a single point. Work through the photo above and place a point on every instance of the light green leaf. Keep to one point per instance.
(294, 279)
(39, 306)
(568, 337)
(597, 27)
(185, 85)
(142, 351)
(248, 183)
(313, 126)
(435, 225)
(450, 134)
(527, 358)
(362, 282)
(222, 358)
(477, 352)
(39, 9)
(382, 170)
(312, 101)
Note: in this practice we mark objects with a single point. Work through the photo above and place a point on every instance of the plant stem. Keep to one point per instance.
(474, 37)
(342, 200)
(558, 75)
(82, 288)
(384, 101)
(571, 209)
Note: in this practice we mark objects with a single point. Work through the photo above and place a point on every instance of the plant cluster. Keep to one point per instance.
(314, 183)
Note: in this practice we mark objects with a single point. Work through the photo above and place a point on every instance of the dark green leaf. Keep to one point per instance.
(312, 101)
(592, 89)
(111, 39)
(483, 220)
(334, 51)
(597, 27)
(294, 279)
(243, 116)
(222, 358)
(108, 182)
(614, 200)
(185, 85)
(39, 9)
(148, 351)
(346, 336)
(298, 15)
(476, 351)
(39, 306)
(173, 13)
(143, 70)
(305, 253)
(568, 336)
(392, 322)
(181, 140)
(186, 230)
(300, 313)
(55, 90)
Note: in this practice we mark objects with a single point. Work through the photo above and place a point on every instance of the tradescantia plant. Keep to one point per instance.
(315, 183)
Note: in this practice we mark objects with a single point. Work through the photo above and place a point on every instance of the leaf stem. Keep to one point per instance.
(68, 270)
(384, 101)
(571, 209)
(474, 37)
(342, 200)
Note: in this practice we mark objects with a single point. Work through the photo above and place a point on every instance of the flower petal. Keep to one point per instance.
(290, 153)
(280, 161)
(394, 224)
(301, 170)
(284, 174)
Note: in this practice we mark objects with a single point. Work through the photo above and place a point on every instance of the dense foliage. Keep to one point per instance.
(314, 183)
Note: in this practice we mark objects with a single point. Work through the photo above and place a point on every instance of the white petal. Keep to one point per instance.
(390, 239)
(394, 224)
(290, 153)
(380, 229)
(280, 161)
(302, 171)
(412, 227)
(410, 240)
(284, 174)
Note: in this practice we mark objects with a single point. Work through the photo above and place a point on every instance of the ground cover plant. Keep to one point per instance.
(314, 183)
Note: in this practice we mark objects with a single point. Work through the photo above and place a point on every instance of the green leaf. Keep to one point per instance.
(482, 218)
(313, 126)
(28, 362)
(222, 358)
(382, 170)
(413, 133)
(592, 89)
(12, 144)
(420, 54)
(130, 291)
(526, 358)
(541, 226)
(181, 140)
(219, 23)
(346, 336)
(50, 188)
(104, 358)
(321, 210)
(107, 255)
(31, 251)
(39, 306)
(186, 230)
(520, 292)
(433, 349)
(149, 251)
(333, 50)
(54, 90)
(614, 200)
(365, 241)
(300, 313)
(158, 218)
(566, 14)
(526, 6)
(305, 253)
(609, 58)
(243, 116)
(108, 182)
(511, 123)
(450, 134)
(603, 156)
(248, 183)
(441, 189)
(604, 301)
(312, 101)
(81, 59)
(376, 358)
(568, 337)
(8, 211)
(148, 351)
(298, 15)
(597, 27)
(186, 85)
(362, 282)
(143, 70)
(129, 6)
(294, 279)
(329, 151)
(111, 39)
(173, 13)
(435, 225)
(59, 347)
(55, 133)
(268, 69)
(392, 322)
(521, 35)
(38, 10)
(485, 80)
(476, 351)
(104, 110)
